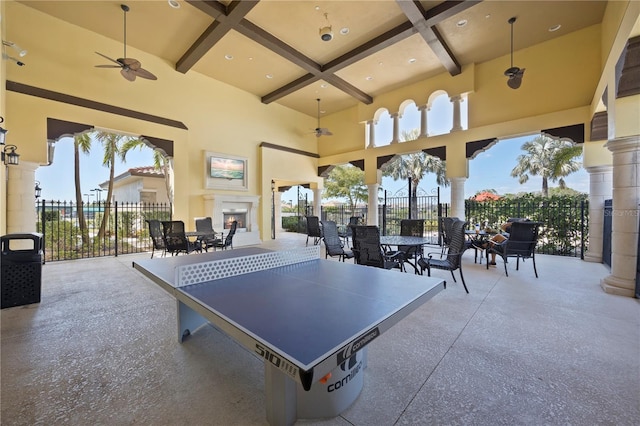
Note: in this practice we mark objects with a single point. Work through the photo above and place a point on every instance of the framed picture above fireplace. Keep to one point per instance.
(224, 171)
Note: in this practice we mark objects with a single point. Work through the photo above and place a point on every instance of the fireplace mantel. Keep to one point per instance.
(218, 204)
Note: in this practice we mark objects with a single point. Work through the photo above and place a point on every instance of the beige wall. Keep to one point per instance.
(223, 119)
(219, 117)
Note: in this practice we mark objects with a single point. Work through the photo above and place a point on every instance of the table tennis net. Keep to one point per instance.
(224, 268)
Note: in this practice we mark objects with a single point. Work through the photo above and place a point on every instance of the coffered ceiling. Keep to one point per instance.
(273, 48)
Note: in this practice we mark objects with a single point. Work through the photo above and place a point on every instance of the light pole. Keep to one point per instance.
(98, 191)
(88, 195)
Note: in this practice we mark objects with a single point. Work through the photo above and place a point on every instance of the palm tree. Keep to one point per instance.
(549, 158)
(111, 142)
(413, 167)
(82, 143)
(160, 161)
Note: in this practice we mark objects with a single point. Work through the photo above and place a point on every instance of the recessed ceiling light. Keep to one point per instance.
(317, 8)
(554, 28)
(368, 78)
(228, 57)
(344, 31)
(323, 86)
(322, 111)
(174, 4)
(412, 61)
(487, 16)
(380, 63)
(461, 23)
(269, 76)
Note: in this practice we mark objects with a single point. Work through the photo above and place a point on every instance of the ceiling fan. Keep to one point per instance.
(514, 73)
(130, 68)
(321, 131)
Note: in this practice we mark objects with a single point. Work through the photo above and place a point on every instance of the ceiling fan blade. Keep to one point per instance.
(141, 72)
(132, 63)
(108, 58)
(128, 74)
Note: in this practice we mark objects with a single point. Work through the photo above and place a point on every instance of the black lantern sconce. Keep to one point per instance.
(9, 156)
(38, 190)
(3, 132)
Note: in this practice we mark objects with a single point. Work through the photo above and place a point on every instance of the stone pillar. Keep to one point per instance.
(424, 131)
(21, 207)
(455, 100)
(372, 134)
(317, 201)
(457, 197)
(624, 235)
(372, 205)
(600, 189)
(396, 128)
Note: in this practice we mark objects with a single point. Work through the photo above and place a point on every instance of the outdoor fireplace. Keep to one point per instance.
(224, 209)
(229, 217)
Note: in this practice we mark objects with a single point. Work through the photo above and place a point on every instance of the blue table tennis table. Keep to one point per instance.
(308, 319)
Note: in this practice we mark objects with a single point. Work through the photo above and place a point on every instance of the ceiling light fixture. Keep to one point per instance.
(326, 34)
(344, 31)
(269, 76)
(554, 28)
(228, 57)
(412, 61)
(174, 4)
(461, 23)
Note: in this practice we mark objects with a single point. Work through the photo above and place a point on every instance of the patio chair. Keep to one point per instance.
(176, 239)
(368, 251)
(522, 241)
(348, 232)
(332, 244)
(157, 237)
(313, 230)
(207, 241)
(228, 240)
(455, 249)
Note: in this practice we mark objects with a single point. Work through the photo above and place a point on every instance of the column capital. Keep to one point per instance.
(624, 144)
(599, 169)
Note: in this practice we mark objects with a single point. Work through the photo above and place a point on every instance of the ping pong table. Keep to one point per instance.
(308, 319)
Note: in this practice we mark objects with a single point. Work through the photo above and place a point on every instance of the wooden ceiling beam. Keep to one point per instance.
(425, 23)
(226, 19)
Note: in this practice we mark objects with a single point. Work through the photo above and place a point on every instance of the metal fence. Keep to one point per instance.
(125, 230)
(565, 221)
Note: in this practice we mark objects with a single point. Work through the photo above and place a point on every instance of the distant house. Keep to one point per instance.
(486, 196)
(139, 184)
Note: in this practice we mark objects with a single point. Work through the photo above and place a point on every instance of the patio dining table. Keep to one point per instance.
(409, 244)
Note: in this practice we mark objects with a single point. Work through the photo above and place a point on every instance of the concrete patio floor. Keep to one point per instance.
(101, 348)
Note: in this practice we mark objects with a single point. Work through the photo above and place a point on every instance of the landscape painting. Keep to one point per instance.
(226, 168)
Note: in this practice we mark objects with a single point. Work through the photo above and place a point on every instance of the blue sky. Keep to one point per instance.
(489, 170)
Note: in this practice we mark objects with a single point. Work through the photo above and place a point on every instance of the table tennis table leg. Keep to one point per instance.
(188, 320)
(280, 396)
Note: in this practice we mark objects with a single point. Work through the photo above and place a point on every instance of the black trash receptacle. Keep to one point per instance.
(21, 269)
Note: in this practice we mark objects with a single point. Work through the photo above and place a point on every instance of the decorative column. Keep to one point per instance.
(317, 201)
(372, 205)
(372, 133)
(455, 100)
(600, 189)
(396, 128)
(21, 208)
(457, 197)
(624, 235)
(424, 131)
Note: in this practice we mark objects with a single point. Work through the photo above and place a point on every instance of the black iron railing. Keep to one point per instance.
(125, 230)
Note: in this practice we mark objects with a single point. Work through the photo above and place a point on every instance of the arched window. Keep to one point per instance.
(383, 128)
(410, 121)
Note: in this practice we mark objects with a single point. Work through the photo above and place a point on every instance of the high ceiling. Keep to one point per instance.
(273, 48)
